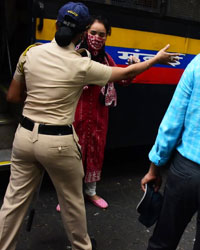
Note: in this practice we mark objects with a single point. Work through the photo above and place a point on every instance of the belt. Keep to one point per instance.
(46, 129)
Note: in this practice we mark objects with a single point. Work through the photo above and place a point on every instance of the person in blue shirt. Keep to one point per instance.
(178, 140)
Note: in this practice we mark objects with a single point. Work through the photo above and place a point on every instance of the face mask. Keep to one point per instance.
(95, 42)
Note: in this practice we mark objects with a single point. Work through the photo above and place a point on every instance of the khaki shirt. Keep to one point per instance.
(55, 77)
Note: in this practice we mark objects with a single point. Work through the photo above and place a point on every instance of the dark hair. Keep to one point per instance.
(103, 20)
(67, 30)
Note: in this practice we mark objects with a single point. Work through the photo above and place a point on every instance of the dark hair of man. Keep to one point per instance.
(67, 30)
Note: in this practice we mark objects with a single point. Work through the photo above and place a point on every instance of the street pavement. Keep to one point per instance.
(114, 228)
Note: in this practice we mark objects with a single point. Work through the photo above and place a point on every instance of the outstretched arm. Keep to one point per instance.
(162, 57)
(131, 60)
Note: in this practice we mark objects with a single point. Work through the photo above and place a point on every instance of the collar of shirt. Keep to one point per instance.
(71, 46)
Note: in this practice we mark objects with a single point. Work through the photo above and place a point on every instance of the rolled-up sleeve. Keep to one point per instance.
(171, 128)
(97, 73)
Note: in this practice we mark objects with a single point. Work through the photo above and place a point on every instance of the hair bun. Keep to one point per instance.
(63, 36)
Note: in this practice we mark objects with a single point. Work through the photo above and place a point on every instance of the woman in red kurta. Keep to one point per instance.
(91, 119)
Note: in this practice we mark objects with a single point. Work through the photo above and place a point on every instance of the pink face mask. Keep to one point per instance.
(95, 42)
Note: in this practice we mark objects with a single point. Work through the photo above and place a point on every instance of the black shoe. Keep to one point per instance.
(94, 243)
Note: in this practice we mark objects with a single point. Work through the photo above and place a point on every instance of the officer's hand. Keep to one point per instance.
(164, 57)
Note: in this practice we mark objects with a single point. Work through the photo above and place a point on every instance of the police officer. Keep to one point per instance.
(50, 78)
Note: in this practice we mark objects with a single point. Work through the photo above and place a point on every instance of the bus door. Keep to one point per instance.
(16, 33)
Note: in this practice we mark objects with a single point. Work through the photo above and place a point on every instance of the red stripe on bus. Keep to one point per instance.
(159, 75)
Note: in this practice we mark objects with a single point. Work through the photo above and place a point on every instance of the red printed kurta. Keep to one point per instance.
(91, 125)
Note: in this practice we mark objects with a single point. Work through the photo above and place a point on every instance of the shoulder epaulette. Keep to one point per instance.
(21, 65)
(32, 45)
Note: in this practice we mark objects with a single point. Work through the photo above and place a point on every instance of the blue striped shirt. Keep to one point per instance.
(180, 127)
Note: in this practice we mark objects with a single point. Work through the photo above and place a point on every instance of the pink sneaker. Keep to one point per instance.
(99, 202)
(58, 208)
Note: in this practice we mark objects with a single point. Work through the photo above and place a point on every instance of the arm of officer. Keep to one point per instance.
(162, 57)
(16, 92)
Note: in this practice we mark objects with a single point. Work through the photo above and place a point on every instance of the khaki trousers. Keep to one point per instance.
(61, 158)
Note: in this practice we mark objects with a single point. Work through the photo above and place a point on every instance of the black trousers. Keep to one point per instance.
(181, 202)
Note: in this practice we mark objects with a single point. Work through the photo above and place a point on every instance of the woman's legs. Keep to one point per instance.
(63, 163)
(25, 176)
(24, 180)
(90, 188)
(90, 191)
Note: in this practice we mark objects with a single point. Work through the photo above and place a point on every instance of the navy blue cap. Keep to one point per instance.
(75, 11)
(149, 206)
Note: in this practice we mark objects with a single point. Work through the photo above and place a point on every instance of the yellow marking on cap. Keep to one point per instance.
(72, 12)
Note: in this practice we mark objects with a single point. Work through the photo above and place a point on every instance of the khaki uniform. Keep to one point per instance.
(54, 79)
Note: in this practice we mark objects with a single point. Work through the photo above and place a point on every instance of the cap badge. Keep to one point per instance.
(72, 12)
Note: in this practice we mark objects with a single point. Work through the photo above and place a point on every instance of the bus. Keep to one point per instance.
(139, 28)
